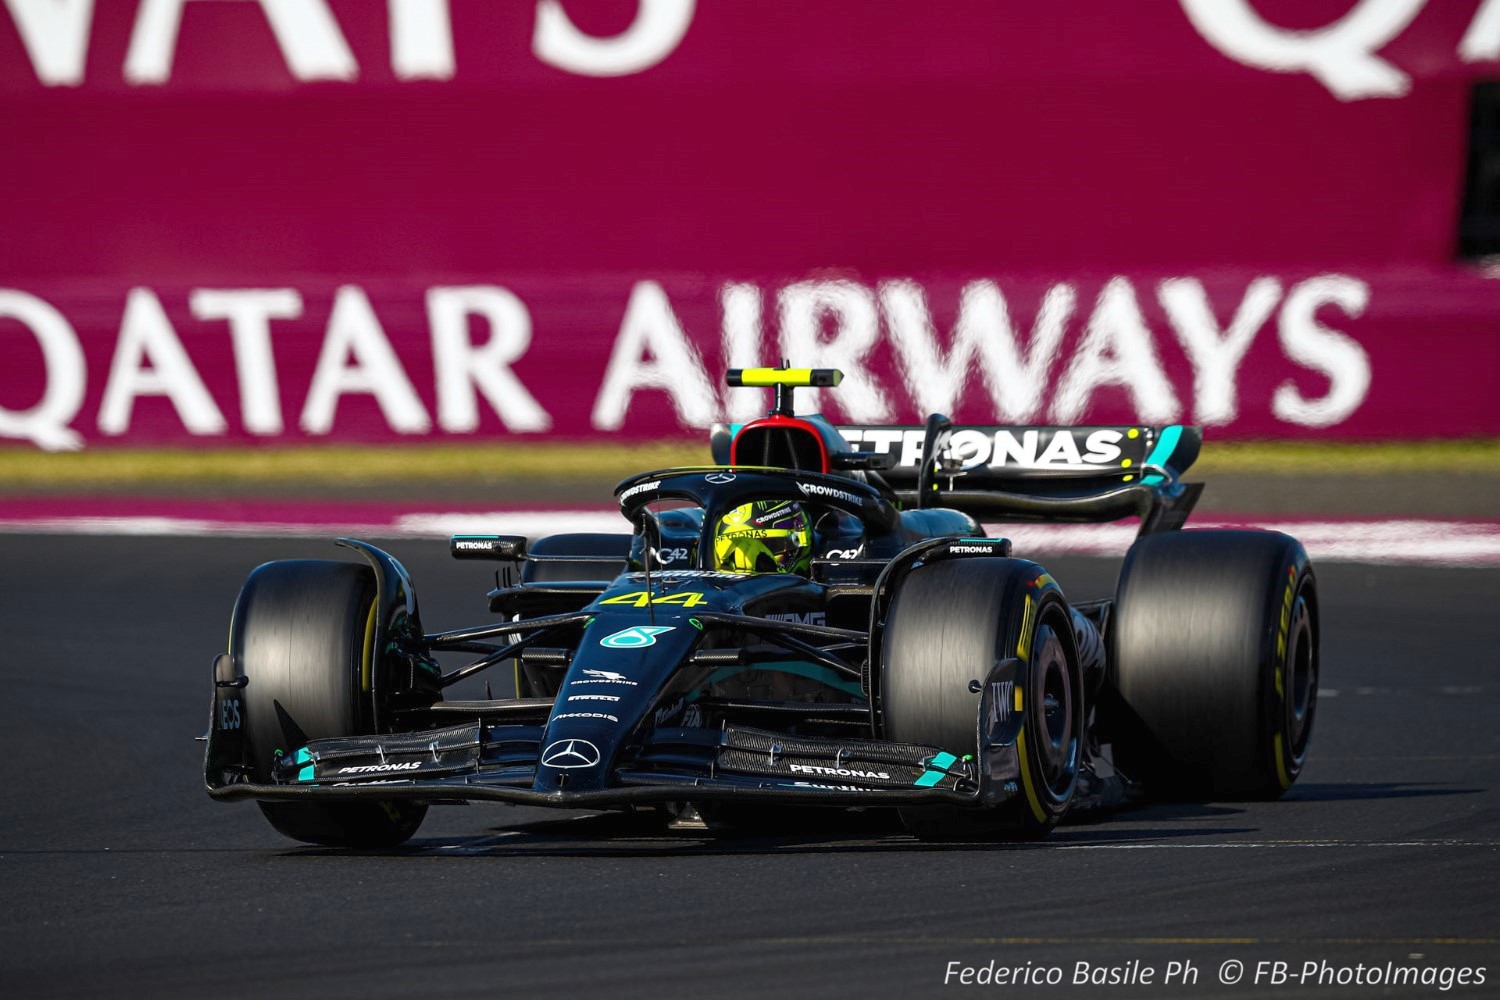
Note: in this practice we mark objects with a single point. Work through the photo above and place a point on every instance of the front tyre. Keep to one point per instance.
(302, 635)
(948, 624)
(1214, 664)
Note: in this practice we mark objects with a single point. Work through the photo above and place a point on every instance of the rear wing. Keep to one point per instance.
(1018, 473)
(998, 456)
(997, 471)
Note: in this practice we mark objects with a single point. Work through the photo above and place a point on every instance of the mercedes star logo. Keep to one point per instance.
(571, 753)
(720, 477)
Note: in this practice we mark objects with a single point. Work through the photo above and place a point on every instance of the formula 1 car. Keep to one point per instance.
(818, 619)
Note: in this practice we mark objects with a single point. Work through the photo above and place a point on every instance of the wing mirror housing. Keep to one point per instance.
(492, 548)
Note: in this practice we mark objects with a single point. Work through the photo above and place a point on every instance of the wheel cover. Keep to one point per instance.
(1301, 673)
(1054, 721)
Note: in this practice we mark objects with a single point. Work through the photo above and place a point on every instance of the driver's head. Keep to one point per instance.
(767, 536)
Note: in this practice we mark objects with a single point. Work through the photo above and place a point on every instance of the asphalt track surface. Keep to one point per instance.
(119, 877)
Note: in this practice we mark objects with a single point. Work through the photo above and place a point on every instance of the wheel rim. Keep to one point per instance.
(1054, 726)
(1301, 672)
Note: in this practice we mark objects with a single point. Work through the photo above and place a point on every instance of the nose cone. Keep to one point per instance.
(623, 659)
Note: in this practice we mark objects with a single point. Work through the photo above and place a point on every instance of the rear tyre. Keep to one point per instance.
(1214, 664)
(948, 624)
(302, 636)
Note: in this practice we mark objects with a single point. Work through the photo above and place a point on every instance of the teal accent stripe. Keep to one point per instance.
(936, 768)
(1165, 445)
(304, 757)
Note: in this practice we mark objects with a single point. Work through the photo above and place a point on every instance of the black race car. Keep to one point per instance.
(818, 620)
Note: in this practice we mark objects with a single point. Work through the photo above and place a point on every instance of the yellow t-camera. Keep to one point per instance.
(817, 377)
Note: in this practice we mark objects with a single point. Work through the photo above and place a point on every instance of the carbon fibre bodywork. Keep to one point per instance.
(644, 675)
(644, 668)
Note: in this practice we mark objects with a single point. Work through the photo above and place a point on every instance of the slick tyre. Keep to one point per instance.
(1214, 664)
(302, 636)
(948, 624)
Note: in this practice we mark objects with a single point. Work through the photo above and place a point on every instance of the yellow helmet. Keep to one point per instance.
(766, 536)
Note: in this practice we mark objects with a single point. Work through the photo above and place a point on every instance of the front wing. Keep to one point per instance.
(475, 761)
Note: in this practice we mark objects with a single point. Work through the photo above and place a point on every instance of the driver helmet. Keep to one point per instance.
(766, 536)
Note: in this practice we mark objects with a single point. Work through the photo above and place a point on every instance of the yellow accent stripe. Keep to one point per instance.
(1281, 775)
(1023, 651)
(367, 657)
(1023, 644)
(1031, 796)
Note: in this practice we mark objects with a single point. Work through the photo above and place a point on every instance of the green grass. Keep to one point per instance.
(593, 461)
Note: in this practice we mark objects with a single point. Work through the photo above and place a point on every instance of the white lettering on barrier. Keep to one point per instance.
(421, 40)
(805, 308)
(146, 336)
(46, 424)
(654, 352)
(983, 338)
(355, 334)
(1324, 350)
(1481, 42)
(1341, 54)
(657, 30)
(650, 327)
(56, 38)
(249, 312)
(305, 30)
(1215, 356)
(741, 347)
(1116, 350)
(460, 366)
(55, 34)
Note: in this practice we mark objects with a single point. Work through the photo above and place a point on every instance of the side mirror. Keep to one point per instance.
(495, 548)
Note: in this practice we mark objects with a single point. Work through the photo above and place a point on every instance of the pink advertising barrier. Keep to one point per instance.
(245, 222)
(1295, 355)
